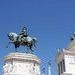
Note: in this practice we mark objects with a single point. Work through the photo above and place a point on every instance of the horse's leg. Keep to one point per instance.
(31, 48)
(16, 47)
(8, 44)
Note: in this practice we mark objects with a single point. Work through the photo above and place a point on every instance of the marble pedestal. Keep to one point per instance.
(21, 64)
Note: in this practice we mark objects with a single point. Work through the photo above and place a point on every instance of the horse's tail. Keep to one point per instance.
(34, 42)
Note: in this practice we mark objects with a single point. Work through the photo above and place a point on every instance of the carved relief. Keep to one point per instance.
(7, 68)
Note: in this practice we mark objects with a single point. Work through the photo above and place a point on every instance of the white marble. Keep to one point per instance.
(69, 62)
(21, 64)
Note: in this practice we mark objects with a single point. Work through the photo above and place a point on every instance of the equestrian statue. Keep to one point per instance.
(22, 39)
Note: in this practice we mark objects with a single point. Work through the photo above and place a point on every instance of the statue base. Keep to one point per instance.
(21, 64)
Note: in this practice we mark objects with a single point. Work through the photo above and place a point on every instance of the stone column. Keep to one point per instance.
(21, 64)
(49, 69)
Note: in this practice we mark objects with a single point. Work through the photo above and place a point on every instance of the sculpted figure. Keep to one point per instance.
(22, 39)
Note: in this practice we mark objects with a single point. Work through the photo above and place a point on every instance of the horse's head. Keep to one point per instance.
(12, 36)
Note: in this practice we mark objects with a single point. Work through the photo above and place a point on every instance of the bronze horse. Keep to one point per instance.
(22, 40)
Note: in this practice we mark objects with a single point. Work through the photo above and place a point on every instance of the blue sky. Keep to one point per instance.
(51, 21)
